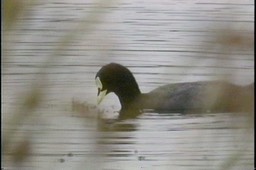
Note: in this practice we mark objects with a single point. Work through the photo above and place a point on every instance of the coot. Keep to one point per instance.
(201, 96)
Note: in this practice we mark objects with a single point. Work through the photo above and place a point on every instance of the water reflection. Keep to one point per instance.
(176, 140)
(116, 125)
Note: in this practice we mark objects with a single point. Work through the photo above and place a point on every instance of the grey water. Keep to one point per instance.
(64, 44)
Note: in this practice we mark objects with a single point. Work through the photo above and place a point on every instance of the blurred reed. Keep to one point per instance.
(13, 10)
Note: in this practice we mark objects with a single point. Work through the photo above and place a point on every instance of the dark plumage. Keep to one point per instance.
(178, 97)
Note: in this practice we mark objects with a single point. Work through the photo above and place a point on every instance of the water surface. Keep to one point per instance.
(160, 42)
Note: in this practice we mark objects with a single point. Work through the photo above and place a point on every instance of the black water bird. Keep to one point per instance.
(202, 96)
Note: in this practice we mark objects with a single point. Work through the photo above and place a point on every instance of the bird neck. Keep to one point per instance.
(128, 97)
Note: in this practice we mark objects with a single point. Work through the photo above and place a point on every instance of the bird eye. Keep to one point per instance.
(98, 83)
